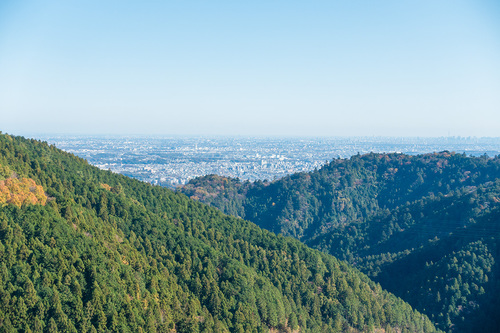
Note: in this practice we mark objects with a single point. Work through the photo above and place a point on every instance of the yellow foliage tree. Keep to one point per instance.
(19, 191)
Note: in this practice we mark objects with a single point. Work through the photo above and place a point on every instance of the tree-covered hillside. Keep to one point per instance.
(426, 227)
(105, 253)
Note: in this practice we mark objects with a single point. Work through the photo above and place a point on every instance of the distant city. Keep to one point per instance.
(173, 161)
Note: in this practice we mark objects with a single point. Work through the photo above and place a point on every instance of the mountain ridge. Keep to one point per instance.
(375, 210)
(109, 253)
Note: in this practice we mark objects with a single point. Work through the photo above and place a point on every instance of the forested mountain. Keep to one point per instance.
(425, 227)
(99, 252)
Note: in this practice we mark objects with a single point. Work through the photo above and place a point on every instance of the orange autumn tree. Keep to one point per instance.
(19, 191)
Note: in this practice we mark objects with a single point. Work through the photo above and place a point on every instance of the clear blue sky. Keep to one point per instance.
(330, 68)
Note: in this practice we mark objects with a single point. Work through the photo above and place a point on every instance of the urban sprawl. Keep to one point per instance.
(172, 161)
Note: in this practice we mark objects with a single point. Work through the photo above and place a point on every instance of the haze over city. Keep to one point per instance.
(173, 161)
(418, 68)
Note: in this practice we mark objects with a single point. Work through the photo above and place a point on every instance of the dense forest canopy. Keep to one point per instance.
(425, 227)
(106, 253)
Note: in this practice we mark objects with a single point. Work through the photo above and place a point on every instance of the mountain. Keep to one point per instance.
(86, 250)
(425, 227)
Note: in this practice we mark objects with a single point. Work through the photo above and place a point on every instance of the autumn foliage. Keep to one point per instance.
(21, 191)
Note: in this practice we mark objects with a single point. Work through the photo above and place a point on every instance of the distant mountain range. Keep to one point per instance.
(426, 227)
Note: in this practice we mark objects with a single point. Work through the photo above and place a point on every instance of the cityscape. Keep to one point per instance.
(173, 161)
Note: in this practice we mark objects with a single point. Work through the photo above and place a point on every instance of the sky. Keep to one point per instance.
(260, 68)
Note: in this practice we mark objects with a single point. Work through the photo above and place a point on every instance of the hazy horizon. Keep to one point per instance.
(322, 69)
(36, 135)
